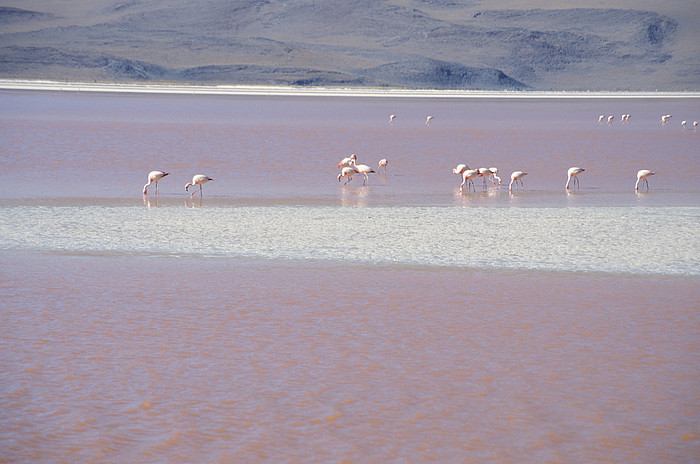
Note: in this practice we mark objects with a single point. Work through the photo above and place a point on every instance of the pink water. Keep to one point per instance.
(119, 352)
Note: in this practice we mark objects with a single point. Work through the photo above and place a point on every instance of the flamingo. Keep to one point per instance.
(642, 176)
(665, 118)
(427, 120)
(573, 173)
(364, 170)
(391, 119)
(683, 123)
(154, 176)
(515, 177)
(467, 177)
(601, 118)
(695, 124)
(484, 172)
(460, 169)
(610, 119)
(346, 172)
(382, 164)
(198, 179)
(494, 174)
(345, 162)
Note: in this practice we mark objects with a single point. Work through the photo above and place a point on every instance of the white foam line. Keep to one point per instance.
(318, 91)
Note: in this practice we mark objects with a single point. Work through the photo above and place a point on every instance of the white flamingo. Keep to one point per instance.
(642, 177)
(494, 176)
(683, 123)
(460, 169)
(665, 118)
(695, 124)
(601, 118)
(345, 162)
(154, 176)
(515, 177)
(391, 119)
(467, 176)
(346, 172)
(362, 169)
(484, 172)
(382, 164)
(427, 120)
(573, 173)
(610, 119)
(199, 179)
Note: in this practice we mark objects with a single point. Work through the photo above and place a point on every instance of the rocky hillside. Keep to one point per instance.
(399, 43)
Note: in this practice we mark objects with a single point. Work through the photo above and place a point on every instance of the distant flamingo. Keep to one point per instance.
(198, 179)
(427, 120)
(610, 119)
(642, 176)
(467, 176)
(382, 164)
(683, 123)
(345, 162)
(346, 172)
(154, 176)
(494, 174)
(665, 118)
(601, 118)
(695, 124)
(364, 170)
(625, 118)
(515, 177)
(573, 173)
(484, 172)
(391, 119)
(460, 169)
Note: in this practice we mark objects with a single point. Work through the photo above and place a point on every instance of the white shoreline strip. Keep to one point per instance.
(317, 91)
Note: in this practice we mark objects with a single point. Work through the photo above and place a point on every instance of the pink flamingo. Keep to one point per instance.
(494, 178)
(427, 120)
(573, 173)
(364, 170)
(345, 162)
(391, 119)
(515, 177)
(642, 176)
(346, 172)
(154, 176)
(460, 169)
(467, 176)
(198, 179)
(382, 164)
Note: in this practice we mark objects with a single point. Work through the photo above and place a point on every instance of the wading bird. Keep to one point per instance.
(346, 172)
(198, 179)
(154, 176)
(467, 177)
(427, 120)
(642, 177)
(391, 119)
(494, 176)
(382, 164)
(515, 177)
(573, 173)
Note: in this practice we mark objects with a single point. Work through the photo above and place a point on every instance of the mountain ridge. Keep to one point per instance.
(389, 43)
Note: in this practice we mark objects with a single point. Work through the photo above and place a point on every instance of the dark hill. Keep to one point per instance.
(415, 44)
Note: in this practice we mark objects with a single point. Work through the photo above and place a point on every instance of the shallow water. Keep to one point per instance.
(285, 317)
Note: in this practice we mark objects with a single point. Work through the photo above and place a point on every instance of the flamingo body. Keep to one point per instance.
(382, 164)
(467, 176)
(427, 120)
(642, 176)
(573, 173)
(199, 179)
(154, 177)
(346, 172)
(516, 177)
(494, 176)
(460, 169)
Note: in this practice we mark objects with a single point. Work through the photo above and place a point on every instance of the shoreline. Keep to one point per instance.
(279, 91)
